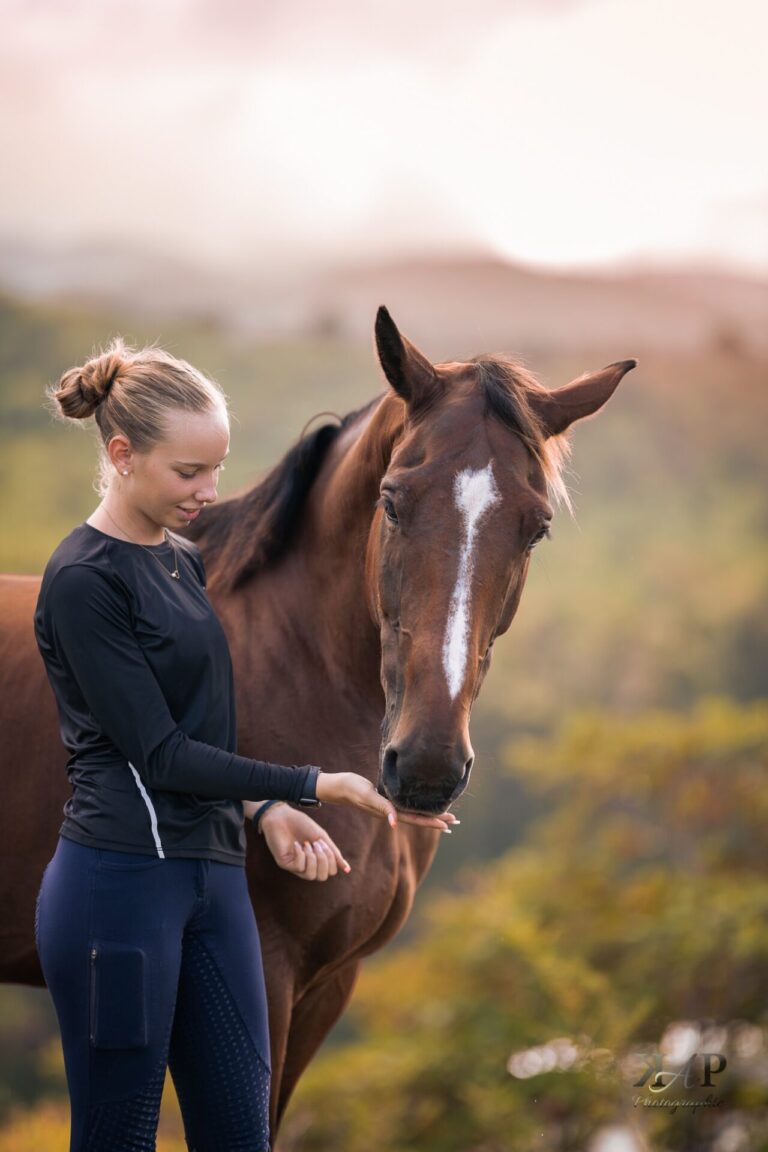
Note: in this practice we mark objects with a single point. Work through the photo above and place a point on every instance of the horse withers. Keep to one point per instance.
(362, 585)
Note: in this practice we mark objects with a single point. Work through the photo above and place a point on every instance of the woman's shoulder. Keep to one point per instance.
(80, 578)
(83, 548)
(84, 557)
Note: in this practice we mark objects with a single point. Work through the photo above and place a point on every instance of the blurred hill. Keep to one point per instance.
(472, 305)
(465, 303)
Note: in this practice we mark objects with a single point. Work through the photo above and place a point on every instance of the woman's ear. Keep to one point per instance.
(120, 452)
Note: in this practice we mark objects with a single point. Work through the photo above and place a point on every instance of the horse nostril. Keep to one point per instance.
(468, 767)
(389, 768)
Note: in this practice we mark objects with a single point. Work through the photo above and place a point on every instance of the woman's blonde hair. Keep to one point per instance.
(131, 391)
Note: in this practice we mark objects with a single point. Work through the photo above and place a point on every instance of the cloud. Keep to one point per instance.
(567, 131)
(100, 33)
(351, 30)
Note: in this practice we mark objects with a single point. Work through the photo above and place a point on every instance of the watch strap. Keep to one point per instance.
(309, 797)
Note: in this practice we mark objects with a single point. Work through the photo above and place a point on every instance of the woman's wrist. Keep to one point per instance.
(326, 787)
(261, 812)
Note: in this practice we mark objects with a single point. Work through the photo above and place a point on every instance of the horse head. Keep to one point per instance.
(466, 496)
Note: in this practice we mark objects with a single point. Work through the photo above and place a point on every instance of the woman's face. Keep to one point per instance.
(169, 483)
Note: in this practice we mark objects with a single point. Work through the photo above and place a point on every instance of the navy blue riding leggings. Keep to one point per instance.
(151, 963)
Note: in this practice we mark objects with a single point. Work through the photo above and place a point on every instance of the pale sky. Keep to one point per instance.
(560, 132)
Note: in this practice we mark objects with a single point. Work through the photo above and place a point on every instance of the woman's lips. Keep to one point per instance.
(190, 515)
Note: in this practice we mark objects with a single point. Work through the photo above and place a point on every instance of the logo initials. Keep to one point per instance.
(688, 1072)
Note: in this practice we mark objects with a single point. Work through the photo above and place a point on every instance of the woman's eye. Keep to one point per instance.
(191, 475)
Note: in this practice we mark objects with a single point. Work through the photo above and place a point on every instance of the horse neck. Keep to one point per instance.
(332, 547)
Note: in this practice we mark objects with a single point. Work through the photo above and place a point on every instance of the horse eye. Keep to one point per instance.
(389, 508)
(540, 536)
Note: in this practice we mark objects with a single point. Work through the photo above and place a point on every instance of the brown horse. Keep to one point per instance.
(362, 585)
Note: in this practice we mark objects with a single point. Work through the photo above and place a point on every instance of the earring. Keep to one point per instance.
(125, 472)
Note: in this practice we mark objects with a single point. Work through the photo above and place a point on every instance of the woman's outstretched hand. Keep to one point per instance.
(355, 791)
(300, 845)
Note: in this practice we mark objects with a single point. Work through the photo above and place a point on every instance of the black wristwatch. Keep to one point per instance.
(311, 801)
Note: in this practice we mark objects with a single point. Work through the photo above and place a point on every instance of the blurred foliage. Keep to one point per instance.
(639, 900)
(44, 1127)
(27, 1025)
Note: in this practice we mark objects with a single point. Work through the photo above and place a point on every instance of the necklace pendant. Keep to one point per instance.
(176, 574)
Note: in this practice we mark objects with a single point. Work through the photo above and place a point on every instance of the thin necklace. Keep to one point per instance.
(176, 574)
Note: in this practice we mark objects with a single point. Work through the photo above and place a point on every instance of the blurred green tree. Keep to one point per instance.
(633, 917)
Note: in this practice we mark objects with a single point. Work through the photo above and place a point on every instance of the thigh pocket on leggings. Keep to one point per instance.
(118, 995)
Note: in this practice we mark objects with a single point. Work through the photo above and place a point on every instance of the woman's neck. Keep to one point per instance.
(119, 522)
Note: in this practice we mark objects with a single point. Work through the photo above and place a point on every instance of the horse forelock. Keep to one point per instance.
(508, 387)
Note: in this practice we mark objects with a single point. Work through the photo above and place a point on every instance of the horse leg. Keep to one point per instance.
(311, 1021)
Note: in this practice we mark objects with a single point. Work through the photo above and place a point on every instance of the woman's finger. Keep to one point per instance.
(331, 867)
(301, 858)
(316, 860)
(324, 860)
(335, 852)
(380, 806)
(440, 821)
(443, 817)
(310, 872)
(444, 822)
(320, 863)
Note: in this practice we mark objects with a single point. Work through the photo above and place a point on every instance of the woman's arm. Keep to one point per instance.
(88, 621)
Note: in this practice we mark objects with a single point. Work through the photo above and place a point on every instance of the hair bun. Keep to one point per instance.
(81, 390)
(99, 374)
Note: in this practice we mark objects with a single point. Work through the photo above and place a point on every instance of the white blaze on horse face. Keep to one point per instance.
(474, 492)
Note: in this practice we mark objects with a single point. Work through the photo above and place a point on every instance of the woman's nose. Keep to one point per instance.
(207, 493)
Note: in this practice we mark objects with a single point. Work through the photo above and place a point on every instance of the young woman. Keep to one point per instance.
(144, 925)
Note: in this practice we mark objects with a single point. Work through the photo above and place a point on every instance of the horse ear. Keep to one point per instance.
(408, 370)
(560, 408)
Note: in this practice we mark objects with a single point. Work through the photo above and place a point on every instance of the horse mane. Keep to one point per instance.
(252, 529)
(507, 386)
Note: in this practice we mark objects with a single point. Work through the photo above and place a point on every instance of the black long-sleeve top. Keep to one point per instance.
(142, 674)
